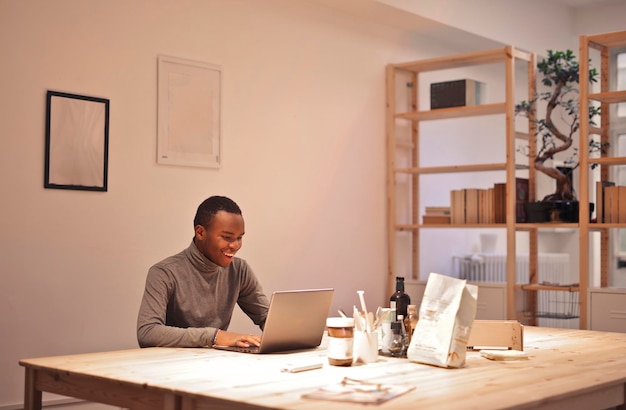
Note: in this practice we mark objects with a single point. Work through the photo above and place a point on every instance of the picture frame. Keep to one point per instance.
(189, 113)
(77, 142)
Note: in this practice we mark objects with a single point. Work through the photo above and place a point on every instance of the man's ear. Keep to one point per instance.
(200, 231)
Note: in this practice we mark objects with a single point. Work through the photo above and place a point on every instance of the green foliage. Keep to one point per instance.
(560, 72)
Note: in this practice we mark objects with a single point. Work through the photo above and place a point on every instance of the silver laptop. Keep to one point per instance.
(296, 320)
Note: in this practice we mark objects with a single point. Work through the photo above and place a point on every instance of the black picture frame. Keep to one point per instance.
(77, 142)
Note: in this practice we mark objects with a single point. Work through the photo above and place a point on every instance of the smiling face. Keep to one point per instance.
(222, 238)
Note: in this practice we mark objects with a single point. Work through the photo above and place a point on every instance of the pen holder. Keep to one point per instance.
(365, 349)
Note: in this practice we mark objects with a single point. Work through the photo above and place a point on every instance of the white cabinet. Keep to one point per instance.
(607, 309)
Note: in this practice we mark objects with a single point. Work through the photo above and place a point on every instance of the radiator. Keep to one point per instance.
(554, 308)
(491, 267)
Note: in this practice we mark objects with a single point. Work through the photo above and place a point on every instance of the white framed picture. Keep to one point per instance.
(189, 113)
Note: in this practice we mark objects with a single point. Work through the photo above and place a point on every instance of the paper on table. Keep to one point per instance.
(359, 391)
(504, 354)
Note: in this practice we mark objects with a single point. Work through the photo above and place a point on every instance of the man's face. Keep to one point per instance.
(222, 238)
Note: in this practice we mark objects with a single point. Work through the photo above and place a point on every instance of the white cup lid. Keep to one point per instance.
(340, 322)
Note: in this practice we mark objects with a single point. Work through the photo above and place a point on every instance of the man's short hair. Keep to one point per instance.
(210, 206)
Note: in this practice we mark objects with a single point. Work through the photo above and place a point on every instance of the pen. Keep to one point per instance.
(295, 368)
(368, 322)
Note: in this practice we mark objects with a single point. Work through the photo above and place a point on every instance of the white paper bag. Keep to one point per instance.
(446, 315)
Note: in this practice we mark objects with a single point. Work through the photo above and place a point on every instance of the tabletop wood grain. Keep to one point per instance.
(566, 369)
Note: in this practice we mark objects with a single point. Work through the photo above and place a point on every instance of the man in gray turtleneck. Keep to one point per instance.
(189, 298)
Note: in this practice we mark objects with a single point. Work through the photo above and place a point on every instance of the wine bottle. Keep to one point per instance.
(400, 300)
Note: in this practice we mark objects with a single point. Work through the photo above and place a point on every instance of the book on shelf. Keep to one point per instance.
(457, 206)
(484, 210)
(621, 204)
(521, 199)
(436, 219)
(437, 215)
(487, 206)
(499, 202)
(437, 210)
(471, 205)
(611, 204)
(600, 200)
(456, 93)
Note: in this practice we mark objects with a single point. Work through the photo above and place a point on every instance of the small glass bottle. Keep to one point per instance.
(399, 300)
(397, 346)
(410, 322)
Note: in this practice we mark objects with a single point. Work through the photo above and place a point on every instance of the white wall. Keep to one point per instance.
(533, 25)
(303, 155)
(596, 20)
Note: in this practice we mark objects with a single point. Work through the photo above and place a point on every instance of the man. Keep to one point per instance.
(189, 298)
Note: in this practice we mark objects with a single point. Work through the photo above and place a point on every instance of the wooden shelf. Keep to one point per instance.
(601, 226)
(608, 161)
(556, 227)
(454, 112)
(609, 97)
(461, 60)
(545, 225)
(452, 169)
(458, 168)
(600, 41)
(411, 226)
(539, 286)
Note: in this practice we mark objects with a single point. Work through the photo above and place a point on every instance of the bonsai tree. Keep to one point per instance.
(560, 73)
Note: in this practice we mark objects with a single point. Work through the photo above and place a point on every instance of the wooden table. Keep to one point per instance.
(573, 369)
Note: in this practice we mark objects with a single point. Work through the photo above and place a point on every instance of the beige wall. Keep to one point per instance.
(303, 155)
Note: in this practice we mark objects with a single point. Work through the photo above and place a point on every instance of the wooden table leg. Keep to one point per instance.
(32, 396)
(171, 402)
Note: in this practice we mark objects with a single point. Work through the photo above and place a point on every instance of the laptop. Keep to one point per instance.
(296, 320)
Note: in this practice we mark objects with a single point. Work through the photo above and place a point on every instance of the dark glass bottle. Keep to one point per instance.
(400, 300)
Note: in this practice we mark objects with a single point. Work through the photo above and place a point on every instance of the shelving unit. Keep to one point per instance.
(596, 308)
(604, 307)
(507, 56)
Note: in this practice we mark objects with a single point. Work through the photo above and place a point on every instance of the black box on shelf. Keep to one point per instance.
(456, 93)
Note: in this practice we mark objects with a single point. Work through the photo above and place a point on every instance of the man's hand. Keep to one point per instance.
(237, 339)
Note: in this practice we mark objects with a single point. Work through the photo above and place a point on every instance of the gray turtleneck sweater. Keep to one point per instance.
(188, 297)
